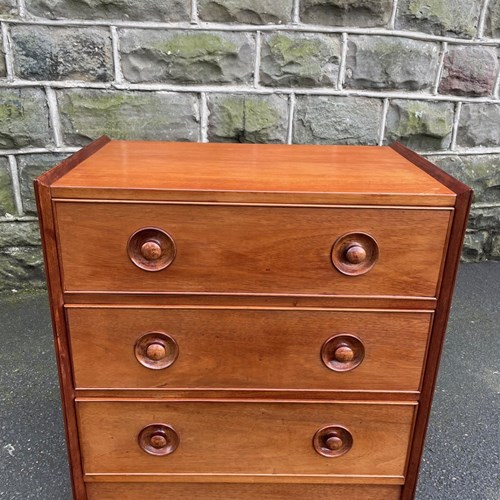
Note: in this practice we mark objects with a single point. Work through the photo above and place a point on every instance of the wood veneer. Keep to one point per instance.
(271, 250)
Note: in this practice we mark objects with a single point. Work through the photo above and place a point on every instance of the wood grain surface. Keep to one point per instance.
(176, 491)
(251, 249)
(251, 172)
(241, 348)
(248, 438)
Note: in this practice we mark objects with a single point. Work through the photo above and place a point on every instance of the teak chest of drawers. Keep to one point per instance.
(248, 321)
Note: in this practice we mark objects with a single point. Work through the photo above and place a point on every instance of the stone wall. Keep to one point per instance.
(424, 72)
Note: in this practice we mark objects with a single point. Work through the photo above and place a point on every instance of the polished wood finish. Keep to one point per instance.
(248, 321)
(54, 285)
(462, 207)
(252, 173)
(238, 348)
(248, 438)
(251, 249)
(228, 491)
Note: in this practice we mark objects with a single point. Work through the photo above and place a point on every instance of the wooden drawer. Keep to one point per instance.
(168, 347)
(243, 249)
(249, 438)
(204, 491)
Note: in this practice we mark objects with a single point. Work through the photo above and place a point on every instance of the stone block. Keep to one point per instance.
(187, 57)
(421, 125)
(3, 69)
(246, 11)
(88, 113)
(360, 13)
(30, 167)
(7, 204)
(336, 120)
(495, 247)
(457, 18)
(24, 118)
(479, 125)
(21, 267)
(55, 53)
(124, 10)
(243, 118)
(469, 70)
(385, 62)
(485, 218)
(475, 243)
(8, 8)
(480, 172)
(19, 234)
(492, 24)
(299, 60)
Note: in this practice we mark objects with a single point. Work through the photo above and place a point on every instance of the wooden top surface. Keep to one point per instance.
(249, 172)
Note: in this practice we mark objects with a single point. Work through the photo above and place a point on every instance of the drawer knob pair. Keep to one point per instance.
(162, 439)
(151, 249)
(354, 253)
(156, 350)
(158, 439)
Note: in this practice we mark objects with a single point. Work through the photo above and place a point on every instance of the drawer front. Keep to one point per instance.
(161, 347)
(204, 491)
(248, 438)
(237, 249)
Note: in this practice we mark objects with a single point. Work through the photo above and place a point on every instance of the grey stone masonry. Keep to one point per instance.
(3, 69)
(336, 120)
(87, 114)
(240, 118)
(456, 18)
(479, 125)
(493, 19)
(24, 118)
(43, 53)
(346, 12)
(419, 124)
(187, 57)
(8, 8)
(30, 167)
(422, 72)
(385, 62)
(469, 70)
(246, 11)
(7, 204)
(299, 60)
(142, 10)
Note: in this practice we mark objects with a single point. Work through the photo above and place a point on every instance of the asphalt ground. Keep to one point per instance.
(462, 454)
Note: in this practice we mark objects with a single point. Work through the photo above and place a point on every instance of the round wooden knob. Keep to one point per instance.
(332, 441)
(355, 254)
(343, 354)
(156, 351)
(158, 441)
(151, 250)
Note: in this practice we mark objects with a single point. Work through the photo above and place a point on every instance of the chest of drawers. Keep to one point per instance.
(248, 321)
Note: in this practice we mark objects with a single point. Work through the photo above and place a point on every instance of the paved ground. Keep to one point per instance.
(462, 456)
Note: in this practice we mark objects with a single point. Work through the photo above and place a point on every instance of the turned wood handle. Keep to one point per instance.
(158, 439)
(332, 441)
(343, 354)
(156, 351)
(355, 254)
(151, 250)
